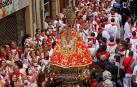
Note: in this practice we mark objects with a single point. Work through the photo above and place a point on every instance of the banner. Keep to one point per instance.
(8, 7)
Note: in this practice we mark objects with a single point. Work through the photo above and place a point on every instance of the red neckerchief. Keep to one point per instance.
(134, 37)
(93, 39)
(98, 32)
(102, 16)
(136, 27)
(106, 22)
(17, 49)
(89, 46)
(2, 55)
(113, 16)
(89, 39)
(37, 40)
(122, 50)
(99, 24)
(48, 42)
(113, 24)
(43, 35)
(19, 74)
(111, 44)
(52, 34)
(103, 29)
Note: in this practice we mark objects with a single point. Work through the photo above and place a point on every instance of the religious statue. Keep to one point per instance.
(71, 58)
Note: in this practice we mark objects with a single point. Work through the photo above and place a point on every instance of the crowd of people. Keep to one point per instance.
(109, 36)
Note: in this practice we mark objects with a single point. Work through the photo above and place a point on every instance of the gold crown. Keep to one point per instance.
(70, 16)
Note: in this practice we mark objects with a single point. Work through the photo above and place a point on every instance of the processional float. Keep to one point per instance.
(71, 59)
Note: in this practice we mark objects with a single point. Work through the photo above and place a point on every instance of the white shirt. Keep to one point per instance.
(111, 49)
(78, 27)
(50, 53)
(84, 17)
(23, 71)
(133, 40)
(114, 30)
(134, 49)
(28, 41)
(92, 51)
(108, 27)
(45, 25)
(135, 72)
(55, 23)
(106, 34)
(116, 19)
(127, 30)
(61, 15)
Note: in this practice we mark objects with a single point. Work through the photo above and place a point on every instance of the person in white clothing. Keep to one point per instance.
(112, 15)
(43, 35)
(91, 48)
(92, 39)
(84, 16)
(111, 47)
(114, 29)
(135, 75)
(135, 28)
(134, 49)
(45, 24)
(107, 25)
(133, 39)
(105, 34)
(28, 40)
(127, 29)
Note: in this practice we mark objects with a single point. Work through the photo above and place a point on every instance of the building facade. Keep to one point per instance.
(20, 17)
(51, 8)
(17, 18)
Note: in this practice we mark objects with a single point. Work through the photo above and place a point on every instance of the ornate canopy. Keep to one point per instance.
(70, 51)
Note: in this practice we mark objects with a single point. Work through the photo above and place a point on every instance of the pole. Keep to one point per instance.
(42, 13)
